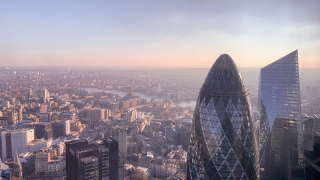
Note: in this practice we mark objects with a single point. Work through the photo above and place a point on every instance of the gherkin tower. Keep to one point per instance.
(223, 143)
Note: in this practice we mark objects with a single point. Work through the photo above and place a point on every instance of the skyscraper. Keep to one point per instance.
(123, 141)
(71, 167)
(223, 143)
(113, 146)
(279, 100)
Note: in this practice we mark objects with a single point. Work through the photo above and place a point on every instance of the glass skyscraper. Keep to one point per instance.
(279, 99)
(223, 143)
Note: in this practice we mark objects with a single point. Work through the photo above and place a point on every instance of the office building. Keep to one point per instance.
(121, 162)
(97, 113)
(12, 116)
(113, 105)
(15, 141)
(123, 141)
(48, 162)
(43, 130)
(281, 155)
(70, 159)
(223, 144)
(279, 99)
(93, 161)
(311, 146)
(4, 121)
(45, 116)
(279, 94)
(113, 146)
(61, 128)
(46, 95)
(82, 160)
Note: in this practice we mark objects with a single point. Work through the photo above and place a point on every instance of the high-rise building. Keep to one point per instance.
(93, 161)
(113, 146)
(121, 162)
(311, 146)
(279, 94)
(70, 159)
(86, 162)
(46, 95)
(281, 155)
(279, 99)
(123, 141)
(223, 143)
(15, 141)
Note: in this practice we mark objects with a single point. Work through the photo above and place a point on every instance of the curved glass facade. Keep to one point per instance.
(223, 144)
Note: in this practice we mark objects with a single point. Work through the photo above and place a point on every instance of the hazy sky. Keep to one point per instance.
(157, 33)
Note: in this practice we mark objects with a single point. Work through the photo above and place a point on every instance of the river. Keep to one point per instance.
(144, 96)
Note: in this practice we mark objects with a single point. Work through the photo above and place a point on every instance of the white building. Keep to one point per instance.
(57, 165)
(38, 144)
(15, 141)
(46, 95)
(162, 169)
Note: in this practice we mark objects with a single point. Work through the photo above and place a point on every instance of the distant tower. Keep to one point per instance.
(46, 95)
(123, 141)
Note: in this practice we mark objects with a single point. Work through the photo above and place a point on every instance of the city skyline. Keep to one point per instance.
(153, 34)
(152, 114)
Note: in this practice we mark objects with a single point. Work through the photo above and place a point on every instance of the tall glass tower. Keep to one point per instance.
(279, 93)
(279, 100)
(223, 143)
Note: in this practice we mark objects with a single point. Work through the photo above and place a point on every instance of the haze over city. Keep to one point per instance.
(159, 90)
(157, 34)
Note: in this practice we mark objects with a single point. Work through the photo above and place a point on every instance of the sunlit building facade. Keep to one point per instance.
(279, 100)
(223, 143)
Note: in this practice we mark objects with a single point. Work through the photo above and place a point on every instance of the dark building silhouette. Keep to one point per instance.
(92, 161)
(311, 146)
(281, 153)
(71, 164)
(223, 143)
(60, 128)
(43, 130)
(113, 146)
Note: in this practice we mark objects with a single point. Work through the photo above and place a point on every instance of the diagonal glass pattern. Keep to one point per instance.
(223, 144)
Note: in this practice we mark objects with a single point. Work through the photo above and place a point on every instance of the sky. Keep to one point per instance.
(151, 34)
